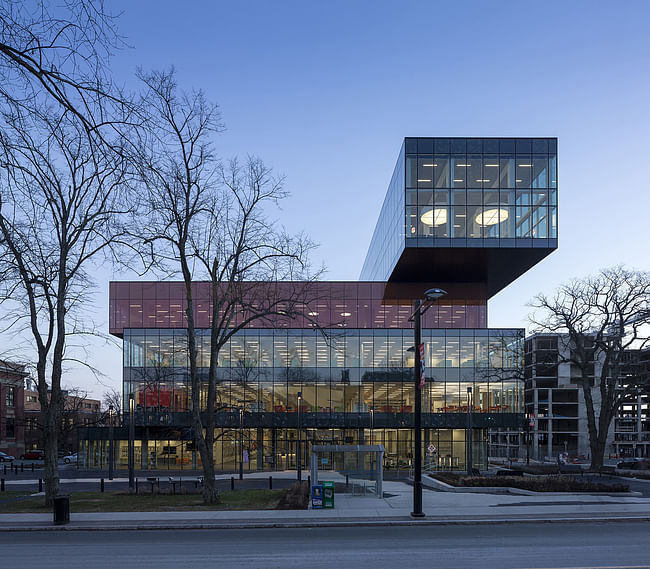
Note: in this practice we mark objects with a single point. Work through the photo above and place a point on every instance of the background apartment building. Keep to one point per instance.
(78, 411)
(556, 408)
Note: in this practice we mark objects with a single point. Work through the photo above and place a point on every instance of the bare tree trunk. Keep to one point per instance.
(51, 468)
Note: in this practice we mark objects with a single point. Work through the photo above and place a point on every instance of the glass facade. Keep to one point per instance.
(466, 193)
(323, 305)
(481, 188)
(387, 241)
(275, 448)
(345, 372)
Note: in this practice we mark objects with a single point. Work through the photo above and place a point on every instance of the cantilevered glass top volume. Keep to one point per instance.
(467, 193)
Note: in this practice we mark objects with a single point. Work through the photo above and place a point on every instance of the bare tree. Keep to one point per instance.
(210, 223)
(113, 398)
(60, 198)
(61, 173)
(600, 320)
(76, 413)
(55, 54)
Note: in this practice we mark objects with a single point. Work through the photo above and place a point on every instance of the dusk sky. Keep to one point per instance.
(325, 93)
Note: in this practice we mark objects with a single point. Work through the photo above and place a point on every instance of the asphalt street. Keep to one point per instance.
(503, 546)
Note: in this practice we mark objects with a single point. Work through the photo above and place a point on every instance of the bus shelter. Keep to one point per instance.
(361, 462)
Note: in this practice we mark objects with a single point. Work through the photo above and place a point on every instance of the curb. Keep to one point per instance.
(328, 524)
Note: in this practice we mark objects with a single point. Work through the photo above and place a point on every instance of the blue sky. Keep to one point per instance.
(324, 92)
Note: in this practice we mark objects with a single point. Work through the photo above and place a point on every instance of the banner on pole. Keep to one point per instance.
(422, 376)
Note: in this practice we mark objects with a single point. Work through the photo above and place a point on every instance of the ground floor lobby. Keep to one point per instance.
(271, 449)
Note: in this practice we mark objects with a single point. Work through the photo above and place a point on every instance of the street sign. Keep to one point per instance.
(432, 449)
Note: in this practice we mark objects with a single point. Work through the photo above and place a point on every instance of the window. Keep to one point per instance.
(10, 432)
(9, 397)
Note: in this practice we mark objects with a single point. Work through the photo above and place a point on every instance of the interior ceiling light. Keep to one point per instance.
(346, 314)
(423, 180)
(312, 314)
(458, 180)
(463, 165)
(437, 216)
(491, 165)
(525, 165)
(491, 216)
(428, 165)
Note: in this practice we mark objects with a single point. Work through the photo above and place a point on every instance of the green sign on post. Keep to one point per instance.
(328, 494)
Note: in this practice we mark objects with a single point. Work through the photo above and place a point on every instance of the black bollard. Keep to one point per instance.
(32, 467)
(22, 467)
(2, 484)
(308, 482)
(5, 467)
(232, 482)
(347, 481)
(270, 482)
(101, 485)
(136, 485)
(40, 484)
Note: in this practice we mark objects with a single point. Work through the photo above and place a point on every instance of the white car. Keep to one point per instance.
(70, 458)
(4, 457)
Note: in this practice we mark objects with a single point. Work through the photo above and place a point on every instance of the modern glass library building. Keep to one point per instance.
(467, 215)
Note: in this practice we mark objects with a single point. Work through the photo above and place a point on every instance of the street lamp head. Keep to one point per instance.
(434, 294)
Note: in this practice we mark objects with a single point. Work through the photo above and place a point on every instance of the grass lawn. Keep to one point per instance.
(12, 495)
(122, 502)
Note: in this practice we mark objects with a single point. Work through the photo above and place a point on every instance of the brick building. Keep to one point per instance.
(12, 377)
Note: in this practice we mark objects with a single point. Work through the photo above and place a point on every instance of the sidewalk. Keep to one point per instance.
(393, 509)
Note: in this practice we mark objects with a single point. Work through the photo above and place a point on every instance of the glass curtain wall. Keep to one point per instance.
(481, 188)
(351, 371)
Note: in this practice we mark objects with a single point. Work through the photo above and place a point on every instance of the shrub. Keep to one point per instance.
(295, 498)
(554, 483)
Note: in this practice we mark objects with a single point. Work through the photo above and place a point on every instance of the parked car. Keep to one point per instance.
(4, 457)
(634, 463)
(70, 458)
(33, 455)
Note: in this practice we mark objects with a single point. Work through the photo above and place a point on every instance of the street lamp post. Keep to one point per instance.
(469, 431)
(419, 308)
(241, 444)
(528, 425)
(131, 441)
(299, 450)
(110, 442)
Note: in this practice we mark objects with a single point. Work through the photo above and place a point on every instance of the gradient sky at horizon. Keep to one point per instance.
(325, 92)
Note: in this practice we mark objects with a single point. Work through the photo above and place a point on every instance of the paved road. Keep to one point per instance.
(507, 546)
